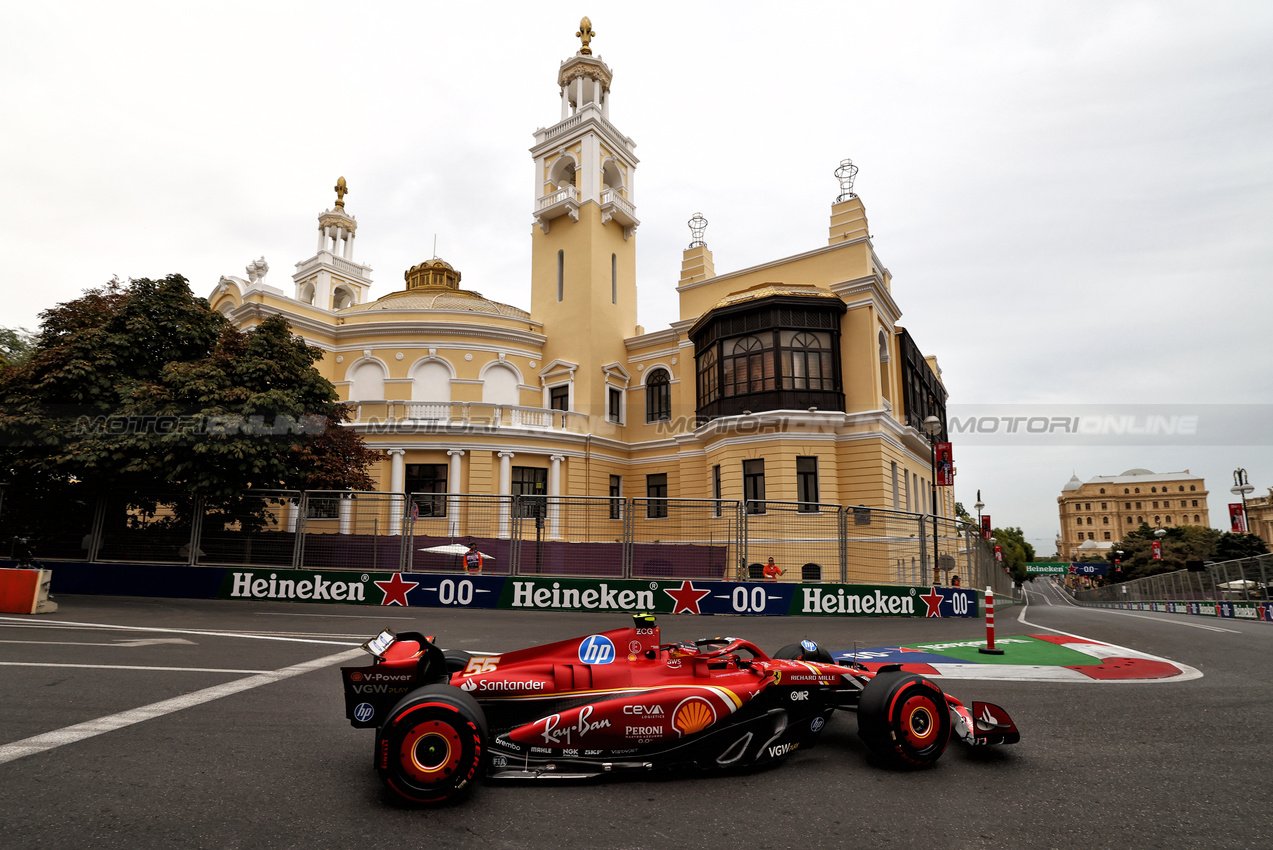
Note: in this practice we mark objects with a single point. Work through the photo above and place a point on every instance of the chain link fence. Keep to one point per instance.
(595, 537)
(1241, 579)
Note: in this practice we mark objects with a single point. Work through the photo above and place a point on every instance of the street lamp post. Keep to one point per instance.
(1241, 487)
(980, 504)
(932, 426)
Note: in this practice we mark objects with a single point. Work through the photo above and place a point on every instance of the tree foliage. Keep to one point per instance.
(1180, 544)
(1017, 551)
(138, 389)
(15, 346)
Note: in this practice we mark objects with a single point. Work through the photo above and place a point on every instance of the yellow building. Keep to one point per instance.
(1260, 516)
(1097, 513)
(791, 380)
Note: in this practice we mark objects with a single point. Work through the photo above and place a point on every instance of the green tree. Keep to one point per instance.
(15, 346)
(138, 389)
(1180, 544)
(1017, 551)
(962, 513)
(1230, 546)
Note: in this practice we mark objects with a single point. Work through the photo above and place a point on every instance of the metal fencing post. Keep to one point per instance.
(298, 545)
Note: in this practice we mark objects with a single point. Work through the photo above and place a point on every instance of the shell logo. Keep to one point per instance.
(693, 715)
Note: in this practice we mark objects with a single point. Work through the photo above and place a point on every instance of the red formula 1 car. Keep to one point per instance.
(622, 701)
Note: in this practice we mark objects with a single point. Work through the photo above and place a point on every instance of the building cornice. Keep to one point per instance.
(872, 287)
(826, 249)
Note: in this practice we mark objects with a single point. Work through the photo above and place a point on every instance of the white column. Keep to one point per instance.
(322, 235)
(578, 93)
(453, 488)
(505, 489)
(605, 104)
(554, 489)
(565, 103)
(397, 478)
(346, 513)
(349, 245)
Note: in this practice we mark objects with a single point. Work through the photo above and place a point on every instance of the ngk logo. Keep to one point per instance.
(644, 710)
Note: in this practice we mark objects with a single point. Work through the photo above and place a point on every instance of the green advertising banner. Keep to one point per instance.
(1047, 568)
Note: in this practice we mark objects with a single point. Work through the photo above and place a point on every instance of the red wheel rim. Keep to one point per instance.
(919, 721)
(431, 751)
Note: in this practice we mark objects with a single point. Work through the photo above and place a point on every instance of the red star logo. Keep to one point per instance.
(933, 600)
(687, 598)
(396, 590)
(1262, 611)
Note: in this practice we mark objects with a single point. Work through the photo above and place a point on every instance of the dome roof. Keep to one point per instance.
(435, 285)
(447, 300)
(768, 290)
(1072, 484)
(1138, 471)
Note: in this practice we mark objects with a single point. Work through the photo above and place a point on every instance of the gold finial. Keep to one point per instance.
(585, 33)
(342, 189)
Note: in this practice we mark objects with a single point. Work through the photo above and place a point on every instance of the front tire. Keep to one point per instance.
(904, 719)
(432, 748)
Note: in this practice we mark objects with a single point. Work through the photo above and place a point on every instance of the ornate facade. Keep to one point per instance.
(790, 381)
(1097, 513)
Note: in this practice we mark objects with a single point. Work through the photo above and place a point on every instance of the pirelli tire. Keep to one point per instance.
(904, 719)
(800, 652)
(431, 749)
(456, 660)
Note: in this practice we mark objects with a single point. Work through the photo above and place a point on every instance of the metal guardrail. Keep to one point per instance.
(565, 536)
(1241, 579)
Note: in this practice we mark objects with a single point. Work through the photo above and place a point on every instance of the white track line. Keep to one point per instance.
(177, 631)
(127, 667)
(102, 725)
(1187, 672)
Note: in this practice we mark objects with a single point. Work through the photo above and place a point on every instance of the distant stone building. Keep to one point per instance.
(1098, 512)
(1260, 516)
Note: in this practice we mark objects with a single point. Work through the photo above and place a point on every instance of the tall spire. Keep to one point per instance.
(342, 189)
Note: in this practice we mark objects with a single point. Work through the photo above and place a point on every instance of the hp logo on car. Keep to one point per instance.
(808, 646)
(596, 649)
(363, 712)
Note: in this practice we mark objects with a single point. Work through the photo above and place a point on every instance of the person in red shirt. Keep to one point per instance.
(772, 571)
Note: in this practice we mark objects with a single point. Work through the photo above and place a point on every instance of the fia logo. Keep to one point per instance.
(596, 649)
(363, 712)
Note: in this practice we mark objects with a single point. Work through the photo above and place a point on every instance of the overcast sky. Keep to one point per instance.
(1074, 198)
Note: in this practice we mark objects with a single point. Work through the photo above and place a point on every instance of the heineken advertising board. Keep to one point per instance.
(681, 596)
(1047, 568)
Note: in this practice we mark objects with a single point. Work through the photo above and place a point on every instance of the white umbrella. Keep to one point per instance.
(1240, 584)
(453, 549)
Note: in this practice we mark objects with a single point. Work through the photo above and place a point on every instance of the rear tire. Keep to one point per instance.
(797, 652)
(904, 719)
(432, 747)
(456, 660)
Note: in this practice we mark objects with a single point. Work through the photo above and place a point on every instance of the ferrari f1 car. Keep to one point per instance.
(622, 701)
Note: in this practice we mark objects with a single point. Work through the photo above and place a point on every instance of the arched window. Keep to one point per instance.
(1191, 488)
(367, 381)
(1078, 520)
(1105, 520)
(1197, 518)
(748, 367)
(499, 385)
(1169, 519)
(806, 360)
(342, 298)
(708, 383)
(1089, 520)
(658, 396)
(430, 381)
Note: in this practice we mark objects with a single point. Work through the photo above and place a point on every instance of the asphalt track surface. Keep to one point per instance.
(221, 725)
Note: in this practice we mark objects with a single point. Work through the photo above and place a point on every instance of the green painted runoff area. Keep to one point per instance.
(1016, 650)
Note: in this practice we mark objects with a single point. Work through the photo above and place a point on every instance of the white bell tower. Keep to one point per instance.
(331, 280)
